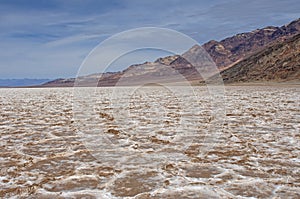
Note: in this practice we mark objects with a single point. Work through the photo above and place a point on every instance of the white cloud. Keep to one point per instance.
(46, 39)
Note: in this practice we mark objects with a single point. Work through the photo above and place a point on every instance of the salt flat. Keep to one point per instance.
(156, 143)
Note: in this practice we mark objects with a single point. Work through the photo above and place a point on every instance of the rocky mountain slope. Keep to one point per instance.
(278, 63)
(233, 49)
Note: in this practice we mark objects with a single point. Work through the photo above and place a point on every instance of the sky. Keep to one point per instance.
(51, 38)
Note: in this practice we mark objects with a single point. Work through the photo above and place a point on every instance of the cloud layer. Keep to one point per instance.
(49, 39)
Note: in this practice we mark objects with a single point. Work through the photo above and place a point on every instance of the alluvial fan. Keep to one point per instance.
(155, 144)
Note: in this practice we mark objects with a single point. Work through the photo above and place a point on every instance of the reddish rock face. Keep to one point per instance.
(279, 62)
(233, 49)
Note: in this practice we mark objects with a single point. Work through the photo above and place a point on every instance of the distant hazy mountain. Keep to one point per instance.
(226, 54)
(21, 82)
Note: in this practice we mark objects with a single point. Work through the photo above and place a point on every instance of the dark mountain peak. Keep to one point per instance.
(291, 28)
(180, 62)
(166, 60)
(295, 24)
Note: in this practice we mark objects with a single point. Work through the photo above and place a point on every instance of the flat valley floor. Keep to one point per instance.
(150, 143)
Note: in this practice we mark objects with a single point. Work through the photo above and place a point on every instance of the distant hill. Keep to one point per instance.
(171, 69)
(21, 82)
(277, 63)
(239, 51)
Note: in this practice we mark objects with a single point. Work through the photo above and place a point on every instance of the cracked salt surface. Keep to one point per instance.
(43, 153)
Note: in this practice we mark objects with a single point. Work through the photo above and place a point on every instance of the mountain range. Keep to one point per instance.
(267, 54)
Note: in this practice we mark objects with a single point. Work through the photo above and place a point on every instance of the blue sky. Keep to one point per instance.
(50, 38)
